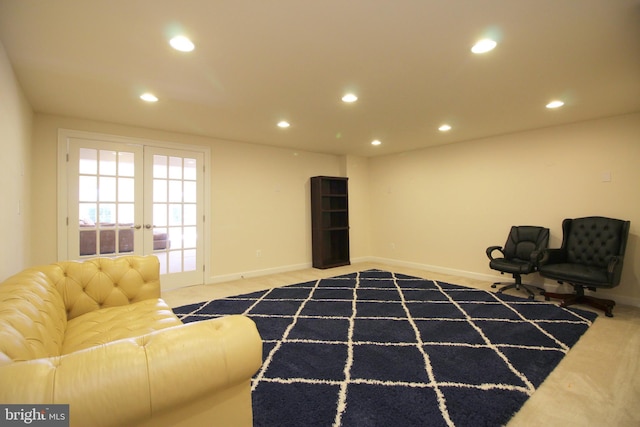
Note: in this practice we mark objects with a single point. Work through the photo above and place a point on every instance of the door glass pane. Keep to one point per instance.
(175, 191)
(162, 257)
(160, 190)
(175, 214)
(159, 166)
(175, 236)
(161, 239)
(88, 161)
(126, 190)
(190, 192)
(88, 242)
(107, 189)
(126, 165)
(175, 262)
(125, 240)
(190, 237)
(107, 214)
(175, 167)
(107, 242)
(126, 213)
(107, 162)
(190, 172)
(190, 214)
(159, 215)
(88, 188)
(87, 214)
(189, 260)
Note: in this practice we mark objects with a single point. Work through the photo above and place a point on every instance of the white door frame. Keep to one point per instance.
(62, 185)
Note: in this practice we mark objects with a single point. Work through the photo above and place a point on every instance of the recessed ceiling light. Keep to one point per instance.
(350, 97)
(182, 43)
(483, 46)
(444, 128)
(555, 104)
(149, 97)
(376, 142)
(283, 124)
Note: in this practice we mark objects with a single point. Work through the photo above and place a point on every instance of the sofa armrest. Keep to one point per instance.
(200, 358)
(129, 381)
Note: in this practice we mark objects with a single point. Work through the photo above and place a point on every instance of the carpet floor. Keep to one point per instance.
(376, 348)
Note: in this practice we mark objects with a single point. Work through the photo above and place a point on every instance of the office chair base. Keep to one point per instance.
(528, 288)
(569, 299)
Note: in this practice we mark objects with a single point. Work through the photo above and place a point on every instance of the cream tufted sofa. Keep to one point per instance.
(96, 335)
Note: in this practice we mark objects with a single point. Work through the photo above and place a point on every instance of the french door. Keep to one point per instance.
(174, 213)
(130, 198)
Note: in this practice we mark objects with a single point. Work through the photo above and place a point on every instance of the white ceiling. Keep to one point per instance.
(257, 62)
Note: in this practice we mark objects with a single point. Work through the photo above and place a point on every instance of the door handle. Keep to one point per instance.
(148, 226)
(137, 226)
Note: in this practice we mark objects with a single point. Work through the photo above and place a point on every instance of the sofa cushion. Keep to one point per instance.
(32, 318)
(114, 323)
(104, 282)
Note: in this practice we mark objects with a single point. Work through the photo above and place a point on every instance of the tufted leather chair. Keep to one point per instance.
(519, 256)
(590, 257)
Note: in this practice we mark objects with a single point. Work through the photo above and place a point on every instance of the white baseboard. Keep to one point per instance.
(549, 285)
(436, 269)
(257, 273)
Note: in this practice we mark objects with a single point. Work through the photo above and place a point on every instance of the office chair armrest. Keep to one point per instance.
(535, 257)
(613, 263)
(490, 250)
(551, 256)
(614, 270)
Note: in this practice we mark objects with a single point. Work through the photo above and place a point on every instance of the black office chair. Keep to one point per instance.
(590, 257)
(519, 256)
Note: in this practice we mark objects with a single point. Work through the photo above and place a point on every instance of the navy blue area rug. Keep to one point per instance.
(376, 348)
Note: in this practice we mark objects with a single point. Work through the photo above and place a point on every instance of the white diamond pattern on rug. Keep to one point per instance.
(380, 348)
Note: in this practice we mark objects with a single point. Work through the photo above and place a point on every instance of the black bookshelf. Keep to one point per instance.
(329, 221)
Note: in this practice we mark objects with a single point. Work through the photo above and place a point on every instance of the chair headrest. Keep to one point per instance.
(594, 240)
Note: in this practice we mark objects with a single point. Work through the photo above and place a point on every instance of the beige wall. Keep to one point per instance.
(261, 201)
(260, 197)
(15, 143)
(437, 208)
(442, 207)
